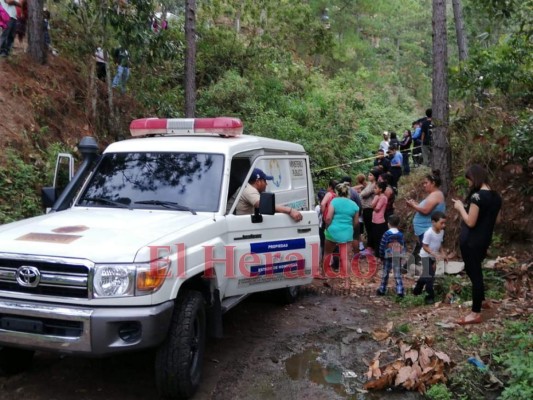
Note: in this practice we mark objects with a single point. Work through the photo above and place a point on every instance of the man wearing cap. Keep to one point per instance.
(249, 200)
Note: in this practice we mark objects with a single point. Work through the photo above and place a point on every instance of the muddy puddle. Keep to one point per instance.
(340, 367)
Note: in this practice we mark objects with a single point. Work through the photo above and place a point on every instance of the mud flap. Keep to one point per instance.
(215, 327)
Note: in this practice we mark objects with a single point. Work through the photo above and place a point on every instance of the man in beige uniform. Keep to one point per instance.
(249, 200)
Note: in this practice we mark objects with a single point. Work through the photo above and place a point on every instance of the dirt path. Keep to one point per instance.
(269, 351)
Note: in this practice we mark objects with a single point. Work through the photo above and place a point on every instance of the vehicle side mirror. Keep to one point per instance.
(267, 203)
(267, 206)
(48, 196)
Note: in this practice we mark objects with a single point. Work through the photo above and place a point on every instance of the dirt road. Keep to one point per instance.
(313, 349)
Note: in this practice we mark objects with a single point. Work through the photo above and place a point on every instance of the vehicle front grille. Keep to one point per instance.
(55, 279)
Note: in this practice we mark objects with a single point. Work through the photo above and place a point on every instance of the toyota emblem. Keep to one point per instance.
(28, 276)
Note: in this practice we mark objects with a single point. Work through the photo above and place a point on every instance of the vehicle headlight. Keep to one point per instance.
(114, 280)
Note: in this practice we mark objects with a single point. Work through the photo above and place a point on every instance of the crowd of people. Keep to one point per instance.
(346, 211)
(13, 21)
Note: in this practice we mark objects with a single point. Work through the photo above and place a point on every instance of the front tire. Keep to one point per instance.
(14, 360)
(179, 359)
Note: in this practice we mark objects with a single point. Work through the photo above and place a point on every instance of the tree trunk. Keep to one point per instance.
(36, 46)
(93, 93)
(441, 158)
(462, 42)
(190, 58)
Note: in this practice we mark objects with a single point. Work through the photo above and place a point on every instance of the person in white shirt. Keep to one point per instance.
(384, 145)
(8, 35)
(430, 252)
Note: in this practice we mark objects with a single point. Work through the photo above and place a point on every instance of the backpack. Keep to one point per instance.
(4, 18)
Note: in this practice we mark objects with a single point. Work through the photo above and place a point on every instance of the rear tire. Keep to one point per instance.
(179, 359)
(14, 360)
(288, 295)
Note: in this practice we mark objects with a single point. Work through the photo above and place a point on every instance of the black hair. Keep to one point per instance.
(346, 179)
(479, 176)
(386, 177)
(434, 177)
(382, 186)
(438, 215)
(393, 135)
(332, 183)
(429, 112)
(393, 220)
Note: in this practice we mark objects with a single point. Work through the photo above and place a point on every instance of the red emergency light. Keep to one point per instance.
(223, 126)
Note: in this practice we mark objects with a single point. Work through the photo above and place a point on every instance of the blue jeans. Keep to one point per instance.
(122, 76)
(394, 264)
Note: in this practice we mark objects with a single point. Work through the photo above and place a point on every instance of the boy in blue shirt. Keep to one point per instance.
(392, 251)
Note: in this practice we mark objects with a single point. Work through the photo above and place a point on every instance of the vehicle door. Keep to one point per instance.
(274, 252)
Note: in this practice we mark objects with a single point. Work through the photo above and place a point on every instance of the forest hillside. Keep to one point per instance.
(330, 75)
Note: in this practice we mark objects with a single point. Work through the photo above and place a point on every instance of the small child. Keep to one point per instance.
(392, 251)
(431, 247)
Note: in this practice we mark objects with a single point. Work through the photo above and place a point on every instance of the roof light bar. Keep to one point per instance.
(225, 126)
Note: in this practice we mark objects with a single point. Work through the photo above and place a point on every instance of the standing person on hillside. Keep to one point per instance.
(354, 196)
(478, 217)
(22, 18)
(101, 64)
(426, 139)
(122, 60)
(381, 163)
(341, 220)
(417, 143)
(431, 252)
(8, 34)
(384, 145)
(367, 195)
(424, 210)
(396, 164)
(379, 226)
(393, 141)
(321, 226)
(391, 253)
(390, 193)
(405, 149)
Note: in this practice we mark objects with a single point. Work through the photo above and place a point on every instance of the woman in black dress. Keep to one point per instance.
(478, 216)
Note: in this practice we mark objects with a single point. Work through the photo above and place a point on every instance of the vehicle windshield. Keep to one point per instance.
(172, 181)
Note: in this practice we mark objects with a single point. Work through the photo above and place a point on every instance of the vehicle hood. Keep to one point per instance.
(95, 234)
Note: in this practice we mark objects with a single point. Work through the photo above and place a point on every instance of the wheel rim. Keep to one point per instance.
(195, 346)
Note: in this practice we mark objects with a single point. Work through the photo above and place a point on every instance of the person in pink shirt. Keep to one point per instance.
(379, 205)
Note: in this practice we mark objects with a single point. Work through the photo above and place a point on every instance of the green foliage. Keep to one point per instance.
(467, 382)
(510, 349)
(515, 353)
(439, 392)
(521, 145)
(18, 189)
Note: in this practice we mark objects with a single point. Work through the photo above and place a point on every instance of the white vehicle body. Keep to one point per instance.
(76, 280)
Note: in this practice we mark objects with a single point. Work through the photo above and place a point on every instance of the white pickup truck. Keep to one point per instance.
(143, 247)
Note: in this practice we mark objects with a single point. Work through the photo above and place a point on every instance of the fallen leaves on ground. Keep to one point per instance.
(417, 367)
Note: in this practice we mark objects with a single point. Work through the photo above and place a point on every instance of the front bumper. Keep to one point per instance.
(80, 330)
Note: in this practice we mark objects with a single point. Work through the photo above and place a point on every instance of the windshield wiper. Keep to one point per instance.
(167, 204)
(107, 201)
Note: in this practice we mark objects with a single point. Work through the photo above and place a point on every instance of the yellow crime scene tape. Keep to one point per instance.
(354, 162)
